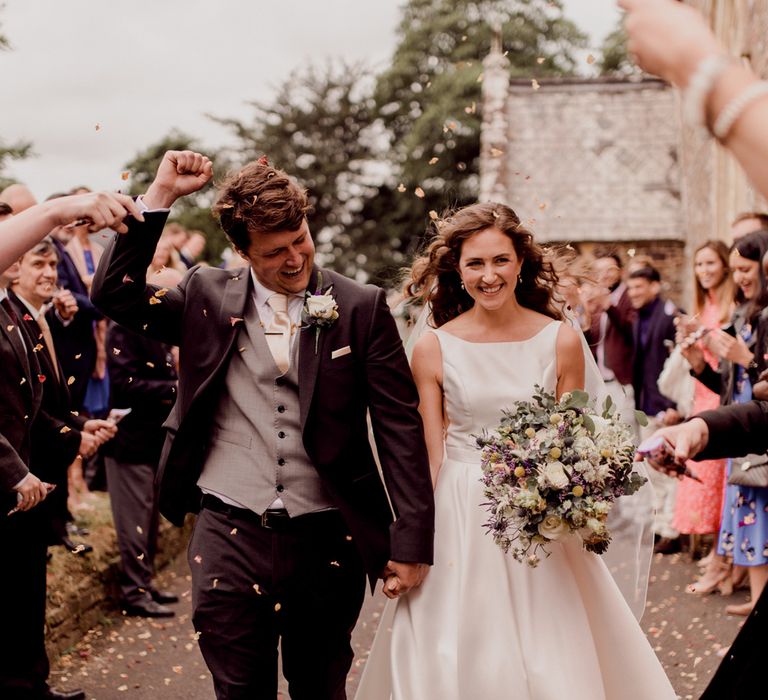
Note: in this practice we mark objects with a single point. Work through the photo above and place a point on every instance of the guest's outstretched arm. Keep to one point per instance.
(102, 209)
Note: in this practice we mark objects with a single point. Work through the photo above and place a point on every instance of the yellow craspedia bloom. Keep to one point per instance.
(519, 472)
(555, 419)
(530, 432)
(578, 491)
(606, 452)
(555, 453)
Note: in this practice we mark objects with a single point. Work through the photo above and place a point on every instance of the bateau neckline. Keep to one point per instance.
(496, 342)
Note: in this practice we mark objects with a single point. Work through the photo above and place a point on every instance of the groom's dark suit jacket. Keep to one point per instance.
(202, 316)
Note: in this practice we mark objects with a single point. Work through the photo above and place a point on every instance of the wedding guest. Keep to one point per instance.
(659, 45)
(19, 197)
(268, 438)
(699, 503)
(192, 249)
(610, 334)
(653, 332)
(178, 236)
(143, 379)
(744, 528)
(748, 222)
(32, 293)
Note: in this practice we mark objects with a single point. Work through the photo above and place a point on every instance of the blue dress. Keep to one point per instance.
(744, 527)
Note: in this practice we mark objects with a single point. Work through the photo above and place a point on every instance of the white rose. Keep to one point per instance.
(553, 474)
(321, 306)
(583, 445)
(553, 527)
(600, 424)
(594, 525)
(601, 507)
(526, 499)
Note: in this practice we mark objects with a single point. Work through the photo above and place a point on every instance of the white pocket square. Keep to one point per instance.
(346, 350)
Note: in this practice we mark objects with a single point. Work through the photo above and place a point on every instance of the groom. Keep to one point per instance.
(269, 436)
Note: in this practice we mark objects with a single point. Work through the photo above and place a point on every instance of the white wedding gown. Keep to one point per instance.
(482, 625)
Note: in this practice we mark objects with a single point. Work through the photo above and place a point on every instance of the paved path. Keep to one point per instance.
(142, 659)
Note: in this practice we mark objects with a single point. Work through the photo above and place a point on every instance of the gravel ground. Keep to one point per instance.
(141, 659)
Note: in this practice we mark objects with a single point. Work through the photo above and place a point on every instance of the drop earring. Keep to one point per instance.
(461, 283)
(519, 279)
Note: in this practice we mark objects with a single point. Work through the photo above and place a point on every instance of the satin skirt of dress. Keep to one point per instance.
(486, 626)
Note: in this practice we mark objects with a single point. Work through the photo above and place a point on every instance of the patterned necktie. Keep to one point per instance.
(278, 334)
(48, 338)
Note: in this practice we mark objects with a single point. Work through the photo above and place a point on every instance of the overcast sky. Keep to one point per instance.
(139, 69)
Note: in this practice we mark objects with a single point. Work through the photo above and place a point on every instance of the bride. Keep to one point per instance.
(483, 625)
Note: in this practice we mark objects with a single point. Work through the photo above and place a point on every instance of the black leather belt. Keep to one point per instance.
(277, 520)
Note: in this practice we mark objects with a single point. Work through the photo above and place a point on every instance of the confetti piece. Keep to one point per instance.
(278, 607)
(153, 301)
(631, 252)
(215, 582)
(335, 563)
(127, 279)
(233, 531)
(116, 351)
(23, 381)
(37, 347)
(348, 538)
(26, 317)
(139, 529)
(433, 215)
(496, 152)
(542, 206)
(540, 60)
(10, 327)
(177, 669)
(234, 320)
(41, 378)
(257, 588)
(161, 292)
(78, 356)
(590, 59)
(151, 365)
(205, 313)
(419, 193)
(125, 175)
(432, 161)
(535, 84)
(198, 559)
(401, 187)
(140, 557)
(66, 429)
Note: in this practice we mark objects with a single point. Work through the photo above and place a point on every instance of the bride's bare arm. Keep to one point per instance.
(570, 360)
(427, 367)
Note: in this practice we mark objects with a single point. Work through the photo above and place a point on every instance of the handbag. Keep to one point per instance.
(751, 470)
(676, 383)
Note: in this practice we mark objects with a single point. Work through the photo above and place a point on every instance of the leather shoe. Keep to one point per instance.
(667, 545)
(53, 694)
(163, 597)
(75, 547)
(148, 608)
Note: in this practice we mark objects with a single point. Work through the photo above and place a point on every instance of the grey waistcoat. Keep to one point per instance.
(256, 453)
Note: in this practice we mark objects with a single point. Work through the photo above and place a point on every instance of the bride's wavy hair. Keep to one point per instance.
(434, 276)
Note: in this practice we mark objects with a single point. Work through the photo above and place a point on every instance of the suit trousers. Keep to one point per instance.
(254, 587)
(23, 661)
(133, 495)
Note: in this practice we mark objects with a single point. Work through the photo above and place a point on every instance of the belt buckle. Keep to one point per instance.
(265, 520)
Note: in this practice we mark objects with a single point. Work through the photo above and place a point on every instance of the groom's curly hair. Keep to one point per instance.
(259, 199)
(434, 276)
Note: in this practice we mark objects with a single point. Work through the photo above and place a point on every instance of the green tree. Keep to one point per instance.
(14, 151)
(430, 97)
(615, 58)
(321, 128)
(193, 211)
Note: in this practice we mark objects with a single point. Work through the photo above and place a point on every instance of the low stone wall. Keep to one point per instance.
(82, 589)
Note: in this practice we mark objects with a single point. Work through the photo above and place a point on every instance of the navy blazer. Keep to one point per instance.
(649, 357)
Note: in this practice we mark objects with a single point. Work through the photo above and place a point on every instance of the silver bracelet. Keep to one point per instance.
(735, 108)
(700, 85)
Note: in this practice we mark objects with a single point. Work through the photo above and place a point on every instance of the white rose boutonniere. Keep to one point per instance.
(320, 309)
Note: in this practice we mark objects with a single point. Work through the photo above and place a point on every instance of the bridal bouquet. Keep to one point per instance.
(553, 468)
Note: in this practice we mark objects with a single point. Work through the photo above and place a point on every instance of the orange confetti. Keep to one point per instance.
(153, 301)
(70, 381)
(433, 215)
(590, 59)
(161, 292)
(125, 175)
(65, 430)
(419, 193)
(401, 187)
(432, 161)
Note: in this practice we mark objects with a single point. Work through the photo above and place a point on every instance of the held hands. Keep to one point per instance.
(667, 38)
(401, 577)
(102, 430)
(100, 209)
(180, 173)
